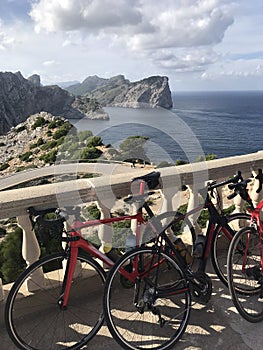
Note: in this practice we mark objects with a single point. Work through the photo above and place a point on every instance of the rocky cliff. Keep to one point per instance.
(20, 98)
(118, 91)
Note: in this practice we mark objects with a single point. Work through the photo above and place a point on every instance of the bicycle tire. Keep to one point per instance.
(246, 275)
(133, 327)
(220, 244)
(34, 320)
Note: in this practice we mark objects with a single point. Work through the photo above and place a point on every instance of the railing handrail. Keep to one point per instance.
(14, 202)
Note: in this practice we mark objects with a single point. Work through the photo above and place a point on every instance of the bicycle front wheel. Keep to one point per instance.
(152, 312)
(245, 276)
(221, 241)
(33, 316)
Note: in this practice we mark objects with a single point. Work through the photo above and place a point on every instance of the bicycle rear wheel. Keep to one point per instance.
(34, 319)
(221, 241)
(141, 316)
(245, 274)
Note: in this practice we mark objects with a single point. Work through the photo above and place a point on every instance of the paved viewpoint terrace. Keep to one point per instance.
(215, 324)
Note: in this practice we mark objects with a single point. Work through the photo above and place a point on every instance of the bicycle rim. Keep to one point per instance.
(245, 274)
(221, 242)
(150, 324)
(34, 319)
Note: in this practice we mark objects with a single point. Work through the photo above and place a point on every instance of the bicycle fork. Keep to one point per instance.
(68, 277)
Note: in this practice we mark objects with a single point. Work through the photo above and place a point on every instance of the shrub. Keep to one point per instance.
(2, 232)
(209, 156)
(40, 121)
(55, 123)
(4, 166)
(180, 162)
(25, 157)
(49, 157)
(20, 128)
(39, 142)
(91, 212)
(90, 153)
(62, 131)
(49, 145)
(164, 164)
(84, 135)
(52, 124)
(132, 148)
(33, 145)
(94, 141)
(11, 261)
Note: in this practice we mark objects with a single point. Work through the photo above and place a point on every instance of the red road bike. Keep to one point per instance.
(245, 261)
(56, 303)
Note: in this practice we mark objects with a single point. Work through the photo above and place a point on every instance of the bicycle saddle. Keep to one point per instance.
(151, 179)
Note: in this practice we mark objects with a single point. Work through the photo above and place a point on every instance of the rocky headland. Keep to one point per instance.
(120, 92)
(20, 98)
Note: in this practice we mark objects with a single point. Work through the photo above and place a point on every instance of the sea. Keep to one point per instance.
(222, 123)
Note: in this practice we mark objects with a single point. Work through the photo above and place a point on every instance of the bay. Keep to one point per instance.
(222, 123)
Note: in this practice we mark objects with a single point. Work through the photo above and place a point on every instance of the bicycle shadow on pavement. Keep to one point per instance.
(216, 324)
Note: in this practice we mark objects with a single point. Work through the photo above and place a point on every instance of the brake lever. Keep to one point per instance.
(232, 195)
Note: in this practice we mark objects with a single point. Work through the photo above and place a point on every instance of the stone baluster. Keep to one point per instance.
(192, 204)
(30, 251)
(256, 197)
(239, 204)
(239, 208)
(167, 201)
(1, 290)
(105, 232)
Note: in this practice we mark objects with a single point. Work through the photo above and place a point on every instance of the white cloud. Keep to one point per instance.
(50, 63)
(93, 15)
(188, 40)
(144, 27)
(185, 59)
(6, 40)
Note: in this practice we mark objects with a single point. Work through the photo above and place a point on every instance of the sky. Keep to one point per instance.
(198, 44)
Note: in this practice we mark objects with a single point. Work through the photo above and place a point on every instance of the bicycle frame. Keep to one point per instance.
(215, 219)
(75, 241)
(257, 223)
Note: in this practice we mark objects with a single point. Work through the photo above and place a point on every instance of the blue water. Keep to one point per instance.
(223, 123)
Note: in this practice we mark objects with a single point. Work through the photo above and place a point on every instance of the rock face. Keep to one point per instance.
(20, 98)
(118, 91)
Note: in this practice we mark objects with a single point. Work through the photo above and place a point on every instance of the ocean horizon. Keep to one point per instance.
(224, 123)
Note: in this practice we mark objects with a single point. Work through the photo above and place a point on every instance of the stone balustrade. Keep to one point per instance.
(105, 189)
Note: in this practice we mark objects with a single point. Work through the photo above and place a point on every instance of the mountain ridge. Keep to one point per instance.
(21, 97)
(118, 91)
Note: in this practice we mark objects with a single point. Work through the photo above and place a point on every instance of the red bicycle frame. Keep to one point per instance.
(76, 241)
(256, 221)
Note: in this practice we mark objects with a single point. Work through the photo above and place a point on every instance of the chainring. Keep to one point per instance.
(202, 289)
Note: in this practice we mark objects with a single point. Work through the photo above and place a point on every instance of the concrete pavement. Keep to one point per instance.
(216, 325)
